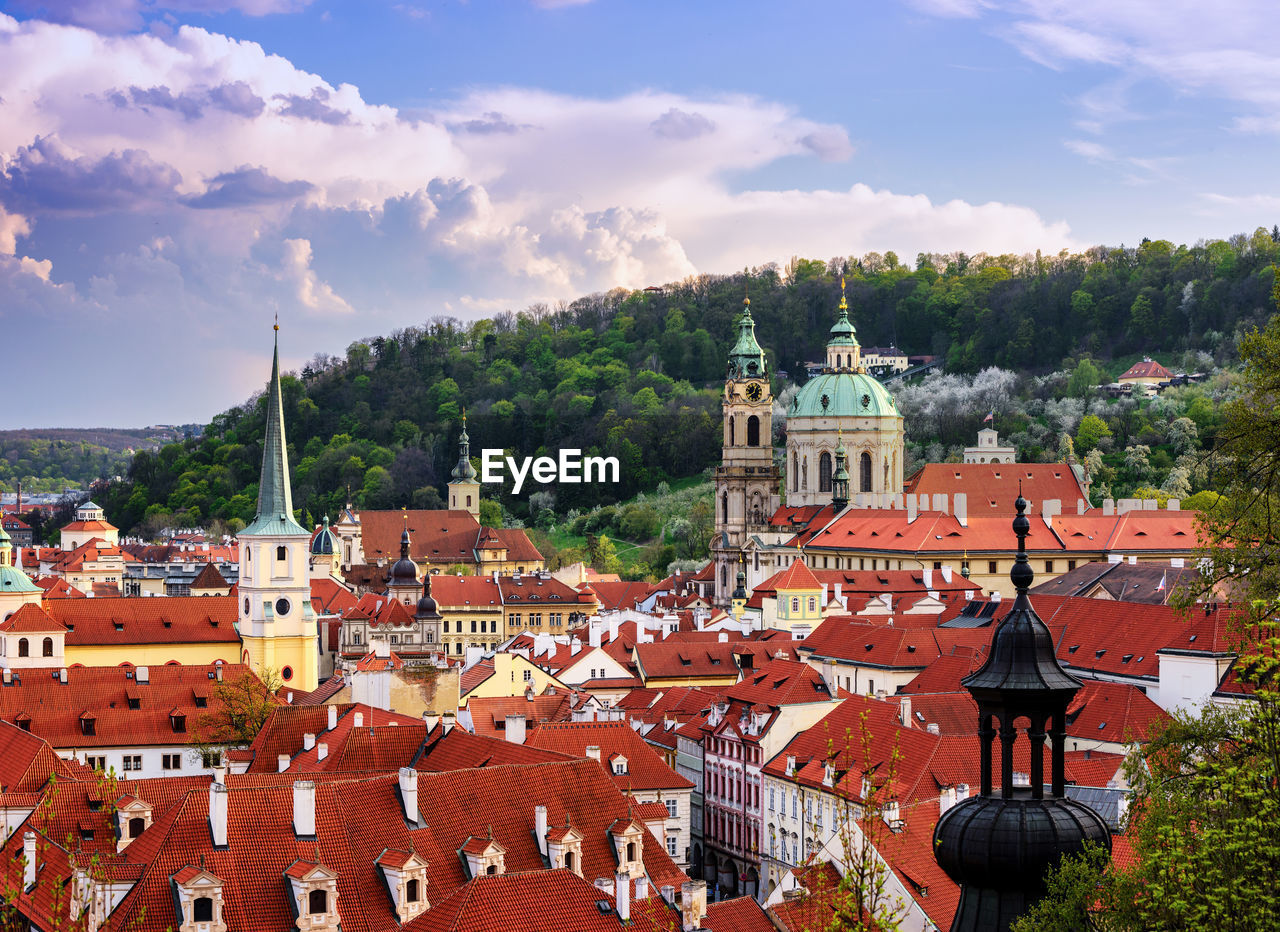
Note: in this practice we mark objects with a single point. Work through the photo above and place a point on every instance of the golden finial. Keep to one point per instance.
(844, 304)
(746, 287)
(277, 324)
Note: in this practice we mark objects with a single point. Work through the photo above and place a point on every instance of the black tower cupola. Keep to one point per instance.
(998, 844)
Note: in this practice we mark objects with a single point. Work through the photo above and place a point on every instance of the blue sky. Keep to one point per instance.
(174, 173)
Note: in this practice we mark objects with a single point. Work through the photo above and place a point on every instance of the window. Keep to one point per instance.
(991, 566)
(1048, 566)
(937, 564)
(317, 902)
(864, 473)
(813, 603)
(753, 431)
(528, 676)
(210, 758)
(412, 893)
(88, 726)
(171, 762)
(672, 808)
(46, 648)
(1071, 564)
(674, 840)
(824, 472)
(95, 762)
(24, 649)
(771, 806)
(133, 762)
(457, 648)
(202, 910)
(631, 851)
(473, 626)
(356, 637)
(446, 627)
(395, 639)
(137, 825)
(535, 620)
(795, 604)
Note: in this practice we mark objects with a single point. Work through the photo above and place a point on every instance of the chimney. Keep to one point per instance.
(29, 860)
(308, 741)
(791, 765)
(574, 646)
(288, 697)
(540, 828)
(693, 904)
(515, 729)
(940, 502)
(593, 751)
(322, 751)
(933, 728)
(304, 809)
(448, 720)
(141, 675)
(960, 503)
(333, 717)
(912, 513)
(1108, 507)
(669, 894)
(622, 886)
(642, 887)
(904, 711)
(409, 793)
(62, 676)
(218, 814)
(593, 633)
(946, 573)
(926, 577)
(282, 763)
(220, 772)
(217, 671)
(947, 799)
(359, 719)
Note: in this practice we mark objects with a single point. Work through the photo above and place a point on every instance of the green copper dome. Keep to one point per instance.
(844, 394)
(13, 579)
(464, 471)
(842, 332)
(746, 359)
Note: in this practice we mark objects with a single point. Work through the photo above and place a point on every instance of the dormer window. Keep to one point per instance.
(628, 845)
(406, 875)
(315, 896)
(133, 817)
(484, 856)
(619, 764)
(564, 848)
(198, 897)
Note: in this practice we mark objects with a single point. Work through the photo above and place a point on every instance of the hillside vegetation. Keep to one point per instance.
(635, 374)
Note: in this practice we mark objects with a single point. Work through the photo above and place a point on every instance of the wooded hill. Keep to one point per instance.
(636, 374)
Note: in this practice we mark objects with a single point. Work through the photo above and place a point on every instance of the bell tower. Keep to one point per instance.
(464, 487)
(277, 626)
(747, 481)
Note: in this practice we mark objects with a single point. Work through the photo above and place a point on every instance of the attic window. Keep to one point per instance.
(868, 646)
(1101, 725)
(911, 648)
(119, 625)
(135, 702)
(201, 702)
(1193, 638)
(1097, 654)
(1126, 658)
(168, 623)
(1073, 648)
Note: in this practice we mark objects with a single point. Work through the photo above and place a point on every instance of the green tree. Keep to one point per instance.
(1084, 379)
(604, 557)
(1090, 433)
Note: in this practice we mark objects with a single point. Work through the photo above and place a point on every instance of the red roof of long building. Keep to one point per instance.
(173, 620)
(645, 770)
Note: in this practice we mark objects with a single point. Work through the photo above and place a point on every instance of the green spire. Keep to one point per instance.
(842, 332)
(464, 471)
(746, 359)
(840, 481)
(275, 498)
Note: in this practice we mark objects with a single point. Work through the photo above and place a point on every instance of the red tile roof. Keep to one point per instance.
(330, 597)
(33, 619)
(461, 750)
(190, 620)
(645, 769)
(378, 744)
(27, 762)
(867, 643)
(780, 682)
(614, 596)
(1145, 369)
(992, 488)
(209, 578)
(673, 659)
(107, 696)
(489, 714)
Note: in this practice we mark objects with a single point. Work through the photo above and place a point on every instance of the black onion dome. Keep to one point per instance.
(404, 572)
(427, 608)
(998, 847)
(1021, 655)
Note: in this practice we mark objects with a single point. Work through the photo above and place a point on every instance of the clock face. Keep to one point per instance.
(754, 391)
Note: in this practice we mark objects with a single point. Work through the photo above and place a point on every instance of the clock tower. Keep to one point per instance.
(747, 480)
(277, 626)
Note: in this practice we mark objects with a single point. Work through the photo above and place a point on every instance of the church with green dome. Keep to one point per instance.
(844, 401)
(844, 444)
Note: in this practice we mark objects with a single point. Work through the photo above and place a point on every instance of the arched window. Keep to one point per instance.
(318, 902)
(568, 861)
(491, 869)
(631, 851)
(724, 577)
(411, 891)
(46, 648)
(804, 474)
(864, 470)
(24, 649)
(824, 472)
(202, 910)
(731, 430)
(136, 826)
(281, 554)
(795, 471)
(753, 431)
(724, 503)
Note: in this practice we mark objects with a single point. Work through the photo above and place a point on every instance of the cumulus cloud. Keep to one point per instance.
(124, 15)
(48, 175)
(191, 184)
(247, 186)
(310, 290)
(676, 124)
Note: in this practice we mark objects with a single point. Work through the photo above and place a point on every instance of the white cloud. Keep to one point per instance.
(124, 15)
(310, 290)
(184, 186)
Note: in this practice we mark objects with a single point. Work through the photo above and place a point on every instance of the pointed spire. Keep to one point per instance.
(464, 471)
(275, 497)
(747, 359)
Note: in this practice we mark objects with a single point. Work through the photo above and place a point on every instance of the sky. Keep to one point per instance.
(174, 174)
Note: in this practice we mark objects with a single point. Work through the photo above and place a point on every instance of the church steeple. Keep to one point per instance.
(275, 497)
(747, 359)
(464, 487)
(840, 481)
